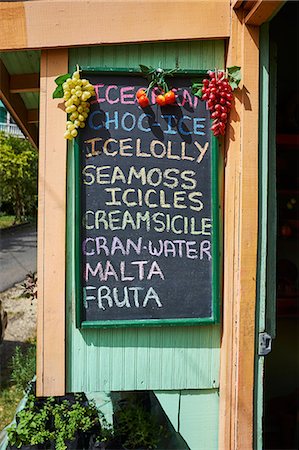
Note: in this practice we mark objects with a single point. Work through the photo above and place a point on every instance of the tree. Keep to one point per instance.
(18, 175)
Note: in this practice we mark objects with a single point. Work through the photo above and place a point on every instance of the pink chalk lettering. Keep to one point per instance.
(187, 98)
(98, 98)
(127, 99)
(110, 100)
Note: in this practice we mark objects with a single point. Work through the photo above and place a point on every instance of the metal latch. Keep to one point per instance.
(265, 343)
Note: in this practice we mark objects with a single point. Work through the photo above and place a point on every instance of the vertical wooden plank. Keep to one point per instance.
(231, 212)
(240, 246)
(248, 238)
(51, 230)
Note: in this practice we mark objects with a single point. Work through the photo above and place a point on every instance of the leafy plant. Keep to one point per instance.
(57, 421)
(68, 419)
(10, 396)
(23, 365)
(137, 428)
(29, 287)
(31, 427)
(18, 175)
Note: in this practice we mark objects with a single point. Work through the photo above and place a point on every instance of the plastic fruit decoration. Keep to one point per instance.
(157, 79)
(216, 91)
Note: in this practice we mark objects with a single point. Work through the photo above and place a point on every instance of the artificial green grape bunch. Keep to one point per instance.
(76, 93)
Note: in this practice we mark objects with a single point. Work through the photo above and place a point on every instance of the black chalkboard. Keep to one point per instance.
(147, 240)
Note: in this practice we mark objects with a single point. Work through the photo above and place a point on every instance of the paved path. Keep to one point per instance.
(17, 254)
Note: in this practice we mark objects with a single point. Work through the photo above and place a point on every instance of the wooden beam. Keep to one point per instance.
(240, 245)
(56, 23)
(237, 3)
(51, 231)
(13, 26)
(16, 107)
(262, 11)
(248, 227)
(32, 116)
(25, 82)
(249, 4)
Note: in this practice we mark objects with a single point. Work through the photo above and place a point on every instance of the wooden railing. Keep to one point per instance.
(11, 128)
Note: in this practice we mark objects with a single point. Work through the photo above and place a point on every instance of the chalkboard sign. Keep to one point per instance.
(147, 208)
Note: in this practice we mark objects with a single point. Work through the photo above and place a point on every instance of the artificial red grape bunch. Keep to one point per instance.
(166, 96)
(217, 92)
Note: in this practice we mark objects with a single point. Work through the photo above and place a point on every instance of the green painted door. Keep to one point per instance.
(266, 283)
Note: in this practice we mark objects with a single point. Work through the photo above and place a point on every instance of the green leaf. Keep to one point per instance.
(234, 76)
(233, 85)
(198, 93)
(144, 69)
(62, 78)
(197, 89)
(58, 93)
(235, 72)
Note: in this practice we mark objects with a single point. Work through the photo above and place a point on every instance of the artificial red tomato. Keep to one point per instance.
(160, 100)
(169, 98)
(143, 101)
(140, 92)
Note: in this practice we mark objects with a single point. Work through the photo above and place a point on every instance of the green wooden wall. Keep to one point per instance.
(166, 358)
(194, 415)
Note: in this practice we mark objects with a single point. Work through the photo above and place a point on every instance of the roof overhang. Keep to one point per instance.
(44, 24)
(9, 88)
(68, 23)
(257, 12)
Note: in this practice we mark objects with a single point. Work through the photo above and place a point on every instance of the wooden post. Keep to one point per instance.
(51, 230)
(240, 245)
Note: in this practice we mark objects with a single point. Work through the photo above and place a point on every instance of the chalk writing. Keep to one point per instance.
(146, 205)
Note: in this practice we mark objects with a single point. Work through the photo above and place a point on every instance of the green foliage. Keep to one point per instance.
(55, 422)
(29, 287)
(157, 77)
(196, 88)
(18, 175)
(10, 396)
(23, 365)
(69, 419)
(6, 220)
(50, 420)
(31, 427)
(137, 427)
